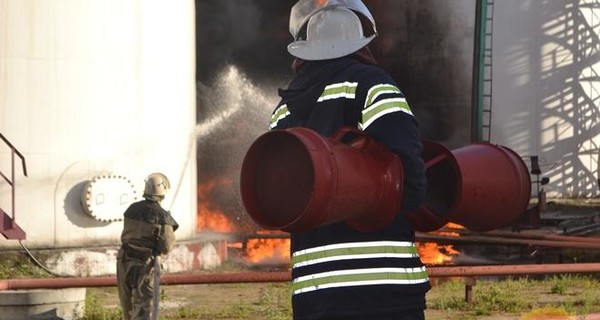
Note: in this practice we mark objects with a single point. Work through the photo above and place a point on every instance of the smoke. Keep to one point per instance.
(233, 112)
(241, 62)
(232, 93)
(250, 34)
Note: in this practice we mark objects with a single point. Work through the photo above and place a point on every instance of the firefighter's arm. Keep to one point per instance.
(165, 239)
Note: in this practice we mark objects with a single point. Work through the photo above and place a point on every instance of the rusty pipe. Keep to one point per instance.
(284, 276)
(505, 270)
(167, 279)
(425, 237)
(520, 235)
(54, 283)
(492, 237)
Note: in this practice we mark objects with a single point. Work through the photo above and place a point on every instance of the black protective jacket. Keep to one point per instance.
(338, 271)
(148, 229)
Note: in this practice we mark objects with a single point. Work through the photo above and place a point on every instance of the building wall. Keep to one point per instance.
(92, 88)
(546, 89)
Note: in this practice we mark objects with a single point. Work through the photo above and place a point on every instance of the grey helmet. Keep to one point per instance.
(157, 184)
(333, 28)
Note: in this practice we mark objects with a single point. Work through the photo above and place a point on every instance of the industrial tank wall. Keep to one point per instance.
(97, 88)
(546, 91)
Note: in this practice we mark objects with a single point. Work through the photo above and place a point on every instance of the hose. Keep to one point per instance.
(36, 261)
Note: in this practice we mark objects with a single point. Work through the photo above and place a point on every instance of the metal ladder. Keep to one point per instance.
(483, 71)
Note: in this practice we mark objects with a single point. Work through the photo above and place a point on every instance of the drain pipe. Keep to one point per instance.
(284, 276)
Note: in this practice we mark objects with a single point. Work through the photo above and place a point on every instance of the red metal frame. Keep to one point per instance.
(8, 225)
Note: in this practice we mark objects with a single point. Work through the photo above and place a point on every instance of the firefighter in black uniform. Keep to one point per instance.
(148, 232)
(338, 272)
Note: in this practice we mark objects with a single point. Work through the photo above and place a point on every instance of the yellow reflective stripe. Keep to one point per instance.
(378, 90)
(339, 90)
(279, 114)
(360, 277)
(382, 108)
(350, 251)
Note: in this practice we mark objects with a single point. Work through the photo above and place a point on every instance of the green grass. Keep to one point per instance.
(569, 294)
(521, 298)
(96, 310)
(203, 302)
(14, 265)
(518, 298)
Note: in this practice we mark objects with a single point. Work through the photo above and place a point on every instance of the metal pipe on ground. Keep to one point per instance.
(523, 235)
(426, 237)
(284, 276)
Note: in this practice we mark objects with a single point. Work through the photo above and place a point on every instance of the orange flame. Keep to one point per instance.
(210, 218)
(260, 251)
(213, 221)
(432, 253)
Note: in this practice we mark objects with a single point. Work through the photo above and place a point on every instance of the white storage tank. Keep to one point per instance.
(96, 95)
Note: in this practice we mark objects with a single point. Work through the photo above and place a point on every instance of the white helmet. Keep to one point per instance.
(333, 29)
(157, 184)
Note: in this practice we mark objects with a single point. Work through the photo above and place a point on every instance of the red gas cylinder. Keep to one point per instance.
(296, 180)
(481, 186)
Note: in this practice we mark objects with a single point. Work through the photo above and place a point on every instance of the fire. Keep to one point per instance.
(210, 218)
(268, 248)
(213, 221)
(260, 251)
(432, 253)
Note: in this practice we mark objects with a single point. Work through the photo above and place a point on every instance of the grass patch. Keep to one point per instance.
(95, 309)
(523, 298)
(16, 265)
(570, 294)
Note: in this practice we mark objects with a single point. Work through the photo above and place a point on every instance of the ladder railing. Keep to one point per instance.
(8, 224)
(483, 71)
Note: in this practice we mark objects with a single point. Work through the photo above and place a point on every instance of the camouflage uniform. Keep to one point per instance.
(148, 231)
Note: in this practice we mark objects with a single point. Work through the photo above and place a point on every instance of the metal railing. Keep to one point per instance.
(9, 227)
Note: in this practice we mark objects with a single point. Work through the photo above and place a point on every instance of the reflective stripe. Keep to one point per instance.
(360, 277)
(354, 250)
(353, 245)
(339, 90)
(378, 90)
(383, 107)
(279, 114)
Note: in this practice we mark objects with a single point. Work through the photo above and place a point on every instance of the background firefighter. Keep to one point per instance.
(148, 232)
(339, 272)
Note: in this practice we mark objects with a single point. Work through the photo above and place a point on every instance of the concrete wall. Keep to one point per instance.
(91, 88)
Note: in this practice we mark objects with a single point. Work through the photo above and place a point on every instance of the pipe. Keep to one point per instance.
(167, 279)
(425, 237)
(495, 234)
(504, 270)
(517, 235)
(284, 276)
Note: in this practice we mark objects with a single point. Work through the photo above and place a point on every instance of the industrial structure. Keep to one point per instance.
(98, 94)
